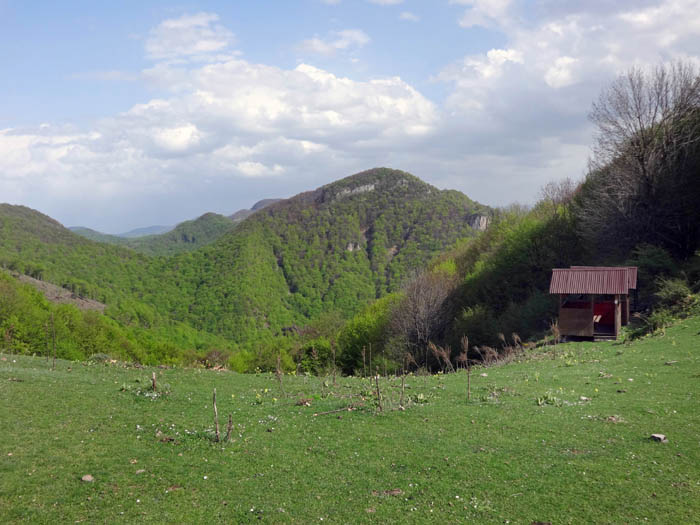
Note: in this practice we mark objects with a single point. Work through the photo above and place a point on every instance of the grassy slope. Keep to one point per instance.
(502, 458)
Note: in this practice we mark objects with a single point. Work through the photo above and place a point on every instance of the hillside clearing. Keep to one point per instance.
(562, 437)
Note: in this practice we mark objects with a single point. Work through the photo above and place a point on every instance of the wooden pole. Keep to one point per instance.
(279, 374)
(469, 381)
(46, 330)
(53, 329)
(333, 351)
(216, 418)
(153, 381)
(370, 364)
(618, 315)
(364, 368)
(229, 428)
(379, 395)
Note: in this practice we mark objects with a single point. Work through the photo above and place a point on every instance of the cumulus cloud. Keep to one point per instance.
(483, 12)
(187, 36)
(409, 16)
(223, 121)
(529, 100)
(344, 40)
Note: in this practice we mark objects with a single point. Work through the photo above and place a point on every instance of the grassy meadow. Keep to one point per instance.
(560, 436)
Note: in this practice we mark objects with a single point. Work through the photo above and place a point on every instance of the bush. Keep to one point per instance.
(675, 295)
(369, 327)
(316, 356)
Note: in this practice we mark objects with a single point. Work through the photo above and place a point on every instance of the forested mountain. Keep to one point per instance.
(329, 250)
(186, 236)
(333, 249)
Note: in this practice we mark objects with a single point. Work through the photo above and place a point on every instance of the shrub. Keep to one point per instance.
(675, 295)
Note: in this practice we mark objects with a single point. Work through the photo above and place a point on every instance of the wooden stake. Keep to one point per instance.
(469, 381)
(216, 418)
(229, 428)
(279, 374)
(403, 388)
(153, 381)
(364, 368)
(379, 395)
(53, 329)
(370, 364)
(333, 350)
(46, 330)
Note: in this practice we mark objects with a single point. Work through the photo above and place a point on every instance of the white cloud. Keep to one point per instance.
(483, 12)
(222, 122)
(386, 2)
(188, 36)
(337, 41)
(561, 74)
(409, 16)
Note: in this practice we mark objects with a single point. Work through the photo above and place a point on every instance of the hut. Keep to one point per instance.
(594, 301)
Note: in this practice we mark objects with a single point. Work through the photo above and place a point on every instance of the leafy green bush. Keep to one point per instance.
(675, 295)
(368, 328)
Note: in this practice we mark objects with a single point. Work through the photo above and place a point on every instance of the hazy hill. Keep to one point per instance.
(94, 235)
(244, 214)
(147, 230)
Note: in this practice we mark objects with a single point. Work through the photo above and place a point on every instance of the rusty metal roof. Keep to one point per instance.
(590, 280)
(631, 272)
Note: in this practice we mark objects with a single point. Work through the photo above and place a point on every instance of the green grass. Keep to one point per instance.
(502, 458)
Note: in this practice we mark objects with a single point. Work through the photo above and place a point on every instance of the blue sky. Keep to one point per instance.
(115, 115)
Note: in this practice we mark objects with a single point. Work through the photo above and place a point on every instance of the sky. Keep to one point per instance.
(116, 115)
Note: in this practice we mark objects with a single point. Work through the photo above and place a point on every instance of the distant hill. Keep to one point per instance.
(148, 230)
(94, 235)
(186, 236)
(244, 214)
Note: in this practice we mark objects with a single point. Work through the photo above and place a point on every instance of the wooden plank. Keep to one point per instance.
(576, 322)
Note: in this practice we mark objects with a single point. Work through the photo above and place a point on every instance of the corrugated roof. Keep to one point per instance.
(631, 272)
(590, 281)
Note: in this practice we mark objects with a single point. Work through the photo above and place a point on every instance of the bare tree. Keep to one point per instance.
(422, 314)
(643, 184)
(559, 192)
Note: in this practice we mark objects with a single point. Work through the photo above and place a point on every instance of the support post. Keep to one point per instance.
(618, 315)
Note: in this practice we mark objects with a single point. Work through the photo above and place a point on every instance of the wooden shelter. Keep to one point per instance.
(593, 300)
